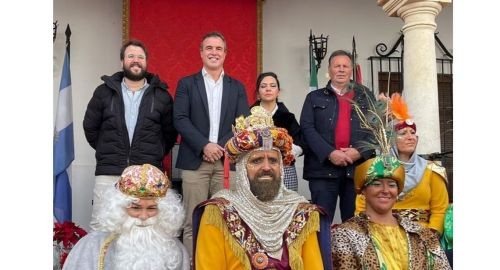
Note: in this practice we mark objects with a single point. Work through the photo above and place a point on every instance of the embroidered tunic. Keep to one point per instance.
(224, 241)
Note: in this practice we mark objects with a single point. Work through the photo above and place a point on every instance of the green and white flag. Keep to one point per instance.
(313, 80)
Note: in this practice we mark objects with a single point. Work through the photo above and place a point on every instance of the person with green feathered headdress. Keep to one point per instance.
(424, 197)
(379, 238)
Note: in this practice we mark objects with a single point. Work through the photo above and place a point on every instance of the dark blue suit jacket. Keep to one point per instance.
(318, 119)
(192, 120)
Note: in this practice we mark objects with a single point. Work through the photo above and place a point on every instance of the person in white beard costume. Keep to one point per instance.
(140, 223)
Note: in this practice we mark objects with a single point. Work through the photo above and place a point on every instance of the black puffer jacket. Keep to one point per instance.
(106, 131)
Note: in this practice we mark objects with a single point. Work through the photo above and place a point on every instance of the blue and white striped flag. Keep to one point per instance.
(64, 152)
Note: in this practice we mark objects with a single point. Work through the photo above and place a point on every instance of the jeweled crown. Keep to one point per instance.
(143, 181)
(258, 131)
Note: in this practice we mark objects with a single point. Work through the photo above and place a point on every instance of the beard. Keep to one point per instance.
(127, 72)
(265, 190)
(144, 245)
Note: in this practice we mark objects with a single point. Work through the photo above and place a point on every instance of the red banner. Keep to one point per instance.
(172, 31)
(359, 78)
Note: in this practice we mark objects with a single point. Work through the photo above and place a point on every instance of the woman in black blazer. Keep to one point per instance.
(267, 90)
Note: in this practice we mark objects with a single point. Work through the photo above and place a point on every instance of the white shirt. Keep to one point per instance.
(214, 98)
(338, 91)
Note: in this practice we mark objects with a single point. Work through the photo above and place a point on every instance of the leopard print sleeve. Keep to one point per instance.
(345, 253)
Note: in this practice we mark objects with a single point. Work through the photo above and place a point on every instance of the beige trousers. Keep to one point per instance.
(198, 186)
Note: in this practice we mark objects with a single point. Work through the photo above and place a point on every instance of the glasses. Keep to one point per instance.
(133, 56)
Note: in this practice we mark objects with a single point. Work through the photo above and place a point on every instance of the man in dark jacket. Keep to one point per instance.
(335, 139)
(128, 120)
(206, 105)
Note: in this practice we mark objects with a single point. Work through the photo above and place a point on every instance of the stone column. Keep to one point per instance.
(419, 63)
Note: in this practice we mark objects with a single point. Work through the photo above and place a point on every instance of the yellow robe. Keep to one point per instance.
(392, 243)
(213, 251)
(430, 194)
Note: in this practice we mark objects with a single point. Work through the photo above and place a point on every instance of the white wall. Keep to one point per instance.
(95, 51)
(96, 40)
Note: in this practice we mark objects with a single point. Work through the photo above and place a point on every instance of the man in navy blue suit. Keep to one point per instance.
(205, 107)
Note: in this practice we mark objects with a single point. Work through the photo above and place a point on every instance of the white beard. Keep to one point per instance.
(144, 245)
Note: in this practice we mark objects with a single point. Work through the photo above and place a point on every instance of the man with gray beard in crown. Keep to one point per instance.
(139, 224)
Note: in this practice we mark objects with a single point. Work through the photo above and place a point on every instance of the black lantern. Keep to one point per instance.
(318, 45)
(54, 28)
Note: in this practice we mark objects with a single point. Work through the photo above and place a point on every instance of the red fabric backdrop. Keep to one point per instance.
(172, 31)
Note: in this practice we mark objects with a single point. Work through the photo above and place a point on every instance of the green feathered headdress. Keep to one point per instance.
(376, 121)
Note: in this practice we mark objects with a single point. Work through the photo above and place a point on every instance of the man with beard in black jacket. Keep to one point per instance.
(128, 120)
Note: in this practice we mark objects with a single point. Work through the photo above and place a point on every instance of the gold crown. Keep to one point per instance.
(258, 131)
(143, 181)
